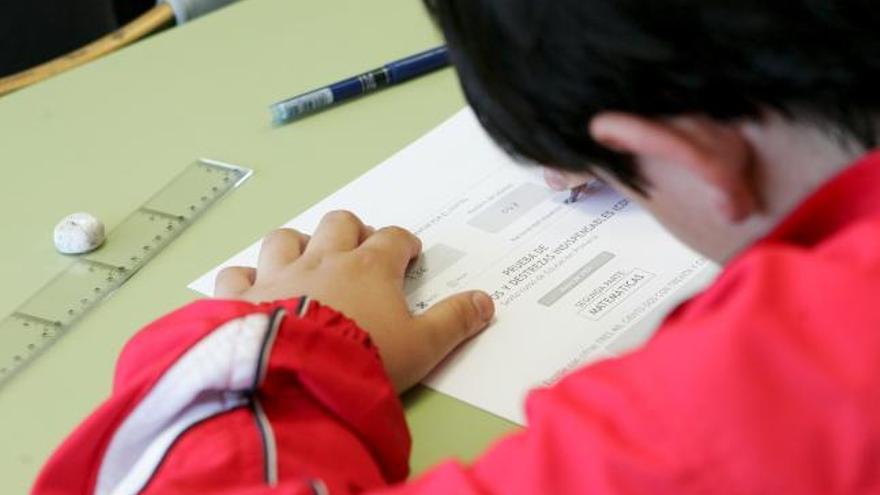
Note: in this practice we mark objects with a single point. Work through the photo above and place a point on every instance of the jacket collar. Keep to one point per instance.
(845, 199)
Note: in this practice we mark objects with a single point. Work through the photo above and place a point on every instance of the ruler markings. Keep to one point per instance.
(36, 319)
(162, 214)
(100, 264)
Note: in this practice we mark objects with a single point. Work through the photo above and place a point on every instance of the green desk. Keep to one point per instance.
(104, 137)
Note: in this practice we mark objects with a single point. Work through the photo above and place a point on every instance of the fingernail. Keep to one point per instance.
(555, 180)
(484, 306)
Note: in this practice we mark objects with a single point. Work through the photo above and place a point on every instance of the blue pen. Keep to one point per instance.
(393, 73)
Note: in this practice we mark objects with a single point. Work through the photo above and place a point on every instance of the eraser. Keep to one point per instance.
(78, 233)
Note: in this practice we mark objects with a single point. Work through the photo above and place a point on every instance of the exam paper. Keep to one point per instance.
(572, 283)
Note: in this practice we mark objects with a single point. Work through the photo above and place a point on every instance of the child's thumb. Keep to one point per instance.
(457, 318)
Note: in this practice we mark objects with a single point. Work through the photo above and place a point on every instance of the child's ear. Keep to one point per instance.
(714, 154)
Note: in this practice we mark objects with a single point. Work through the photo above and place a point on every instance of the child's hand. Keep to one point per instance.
(560, 180)
(359, 272)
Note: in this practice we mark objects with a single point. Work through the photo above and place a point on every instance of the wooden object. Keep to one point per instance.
(154, 19)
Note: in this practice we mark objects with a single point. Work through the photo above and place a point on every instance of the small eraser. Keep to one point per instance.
(78, 233)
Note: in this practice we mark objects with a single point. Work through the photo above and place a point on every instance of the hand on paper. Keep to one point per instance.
(359, 271)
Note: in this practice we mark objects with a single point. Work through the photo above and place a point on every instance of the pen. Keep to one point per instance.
(389, 74)
(578, 191)
(574, 194)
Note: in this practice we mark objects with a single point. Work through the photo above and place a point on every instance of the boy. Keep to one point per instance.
(743, 126)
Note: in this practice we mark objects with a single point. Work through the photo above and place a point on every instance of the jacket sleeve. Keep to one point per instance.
(230, 397)
(291, 397)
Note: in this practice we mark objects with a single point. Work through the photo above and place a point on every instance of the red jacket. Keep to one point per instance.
(768, 382)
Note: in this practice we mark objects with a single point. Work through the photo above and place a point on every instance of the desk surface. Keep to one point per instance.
(104, 137)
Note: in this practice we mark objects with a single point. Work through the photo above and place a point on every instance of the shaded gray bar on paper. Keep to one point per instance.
(575, 278)
(509, 207)
(431, 262)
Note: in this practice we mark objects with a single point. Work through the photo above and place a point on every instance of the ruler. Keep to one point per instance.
(53, 310)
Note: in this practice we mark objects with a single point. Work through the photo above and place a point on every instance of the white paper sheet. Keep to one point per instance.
(572, 283)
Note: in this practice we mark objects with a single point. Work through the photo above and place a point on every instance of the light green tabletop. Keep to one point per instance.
(102, 138)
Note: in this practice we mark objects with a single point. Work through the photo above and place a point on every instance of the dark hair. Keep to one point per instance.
(537, 71)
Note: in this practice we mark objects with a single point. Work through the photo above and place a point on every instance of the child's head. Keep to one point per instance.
(670, 81)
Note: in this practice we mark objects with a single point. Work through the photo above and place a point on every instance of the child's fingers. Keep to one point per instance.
(280, 248)
(396, 246)
(560, 180)
(338, 231)
(367, 232)
(233, 280)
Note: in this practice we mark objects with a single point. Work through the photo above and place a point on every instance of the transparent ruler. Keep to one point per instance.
(54, 309)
